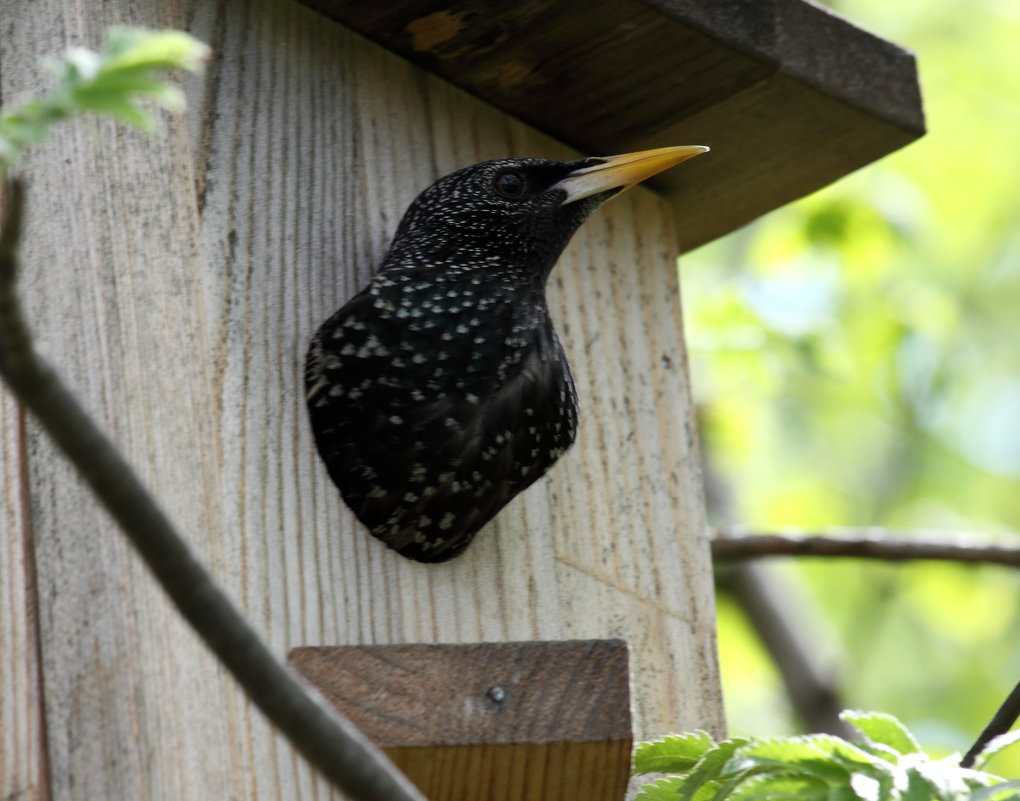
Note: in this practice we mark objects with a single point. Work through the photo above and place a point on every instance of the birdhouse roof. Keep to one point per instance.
(789, 96)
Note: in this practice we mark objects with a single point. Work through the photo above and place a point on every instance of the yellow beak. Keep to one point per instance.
(626, 170)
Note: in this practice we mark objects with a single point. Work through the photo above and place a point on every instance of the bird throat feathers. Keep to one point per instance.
(471, 244)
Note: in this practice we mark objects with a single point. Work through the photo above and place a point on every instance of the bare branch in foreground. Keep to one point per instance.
(328, 740)
(869, 543)
(1002, 721)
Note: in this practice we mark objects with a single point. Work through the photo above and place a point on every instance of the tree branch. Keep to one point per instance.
(779, 623)
(789, 635)
(328, 740)
(860, 544)
(1002, 721)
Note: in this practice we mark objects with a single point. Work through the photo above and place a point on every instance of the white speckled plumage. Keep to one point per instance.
(440, 391)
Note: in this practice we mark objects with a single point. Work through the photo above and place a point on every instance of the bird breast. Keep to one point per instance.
(433, 405)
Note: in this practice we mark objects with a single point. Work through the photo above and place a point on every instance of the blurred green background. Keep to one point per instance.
(856, 360)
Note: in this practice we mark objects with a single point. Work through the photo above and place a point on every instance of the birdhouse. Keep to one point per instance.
(176, 281)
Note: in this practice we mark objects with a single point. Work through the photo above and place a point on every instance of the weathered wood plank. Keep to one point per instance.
(493, 721)
(440, 694)
(176, 281)
(322, 202)
(113, 283)
(512, 771)
(578, 69)
(22, 774)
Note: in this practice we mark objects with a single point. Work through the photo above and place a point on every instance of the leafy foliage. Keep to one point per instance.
(882, 729)
(675, 753)
(886, 764)
(110, 82)
(855, 360)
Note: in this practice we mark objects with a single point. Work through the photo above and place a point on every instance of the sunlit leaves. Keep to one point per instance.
(893, 400)
(887, 765)
(882, 729)
(996, 746)
(676, 753)
(110, 82)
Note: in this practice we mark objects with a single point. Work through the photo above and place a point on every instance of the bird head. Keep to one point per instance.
(517, 214)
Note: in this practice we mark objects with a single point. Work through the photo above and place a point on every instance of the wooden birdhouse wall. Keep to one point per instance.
(176, 280)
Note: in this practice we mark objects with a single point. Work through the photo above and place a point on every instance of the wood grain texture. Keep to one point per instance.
(788, 95)
(576, 69)
(113, 282)
(22, 754)
(441, 694)
(559, 726)
(612, 544)
(565, 771)
(176, 282)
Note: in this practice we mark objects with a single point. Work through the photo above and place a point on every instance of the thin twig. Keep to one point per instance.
(868, 546)
(1002, 721)
(328, 740)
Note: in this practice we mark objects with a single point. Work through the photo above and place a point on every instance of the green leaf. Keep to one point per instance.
(675, 753)
(101, 92)
(707, 792)
(977, 779)
(79, 64)
(18, 131)
(710, 767)
(128, 82)
(884, 752)
(661, 790)
(779, 787)
(829, 224)
(944, 776)
(995, 745)
(817, 767)
(884, 729)
(919, 788)
(129, 48)
(1006, 791)
(669, 790)
(118, 108)
(110, 82)
(801, 754)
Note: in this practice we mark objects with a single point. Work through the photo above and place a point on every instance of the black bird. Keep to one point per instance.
(440, 391)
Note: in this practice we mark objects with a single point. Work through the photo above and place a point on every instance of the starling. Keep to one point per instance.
(440, 391)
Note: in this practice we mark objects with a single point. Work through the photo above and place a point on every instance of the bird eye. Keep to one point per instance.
(511, 185)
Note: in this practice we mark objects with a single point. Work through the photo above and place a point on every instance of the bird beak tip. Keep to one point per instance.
(625, 170)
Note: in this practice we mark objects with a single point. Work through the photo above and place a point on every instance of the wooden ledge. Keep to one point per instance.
(491, 721)
(789, 96)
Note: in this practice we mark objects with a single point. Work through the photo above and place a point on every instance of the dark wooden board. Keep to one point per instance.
(404, 695)
(789, 96)
(489, 721)
(589, 72)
